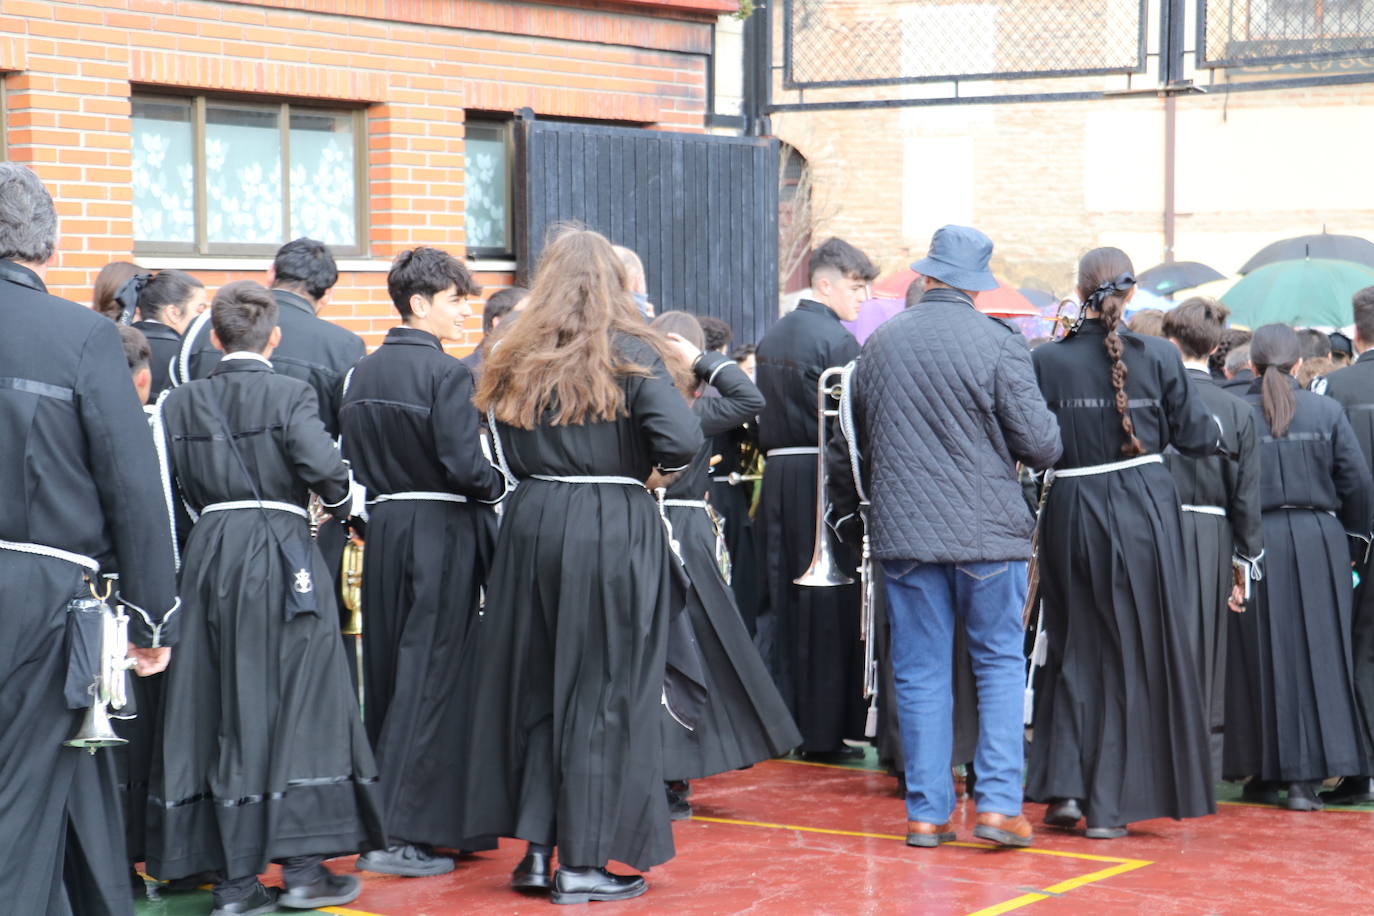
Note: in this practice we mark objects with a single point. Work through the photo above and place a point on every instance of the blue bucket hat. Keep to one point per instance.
(959, 257)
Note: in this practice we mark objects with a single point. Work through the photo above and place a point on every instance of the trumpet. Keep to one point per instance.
(109, 690)
(824, 571)
(351, 590)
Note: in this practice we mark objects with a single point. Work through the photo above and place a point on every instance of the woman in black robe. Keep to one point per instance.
(1120, 734)
(745, 719)
(567, 663)
(263, 755)
(1292, 712)
(1222, 533)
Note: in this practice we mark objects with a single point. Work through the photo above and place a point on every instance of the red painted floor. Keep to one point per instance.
(794, 838)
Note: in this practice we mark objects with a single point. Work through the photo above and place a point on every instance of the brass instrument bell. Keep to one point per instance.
(351, 586)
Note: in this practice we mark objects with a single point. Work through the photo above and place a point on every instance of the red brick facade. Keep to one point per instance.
(69, 68)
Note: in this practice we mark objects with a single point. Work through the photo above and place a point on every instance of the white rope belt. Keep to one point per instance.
(687, 503)
(626, 481)
(255, 504)
(792, 450)
(1204, 510)
(1092, 470)
(417, 496)
(42, 550)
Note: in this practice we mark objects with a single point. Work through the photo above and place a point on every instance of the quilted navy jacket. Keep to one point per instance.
(945, 404)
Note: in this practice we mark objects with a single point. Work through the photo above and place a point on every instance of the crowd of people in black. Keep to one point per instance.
(576, 600)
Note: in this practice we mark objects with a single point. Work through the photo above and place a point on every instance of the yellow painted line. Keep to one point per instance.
(828, 766)
(345, 911)
(1007, 906)
(1116, 860)
(1119, 866)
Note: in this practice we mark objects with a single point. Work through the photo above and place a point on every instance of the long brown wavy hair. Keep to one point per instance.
(1097, 268)
(559, 354)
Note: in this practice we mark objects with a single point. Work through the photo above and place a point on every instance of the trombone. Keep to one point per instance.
(824, 571)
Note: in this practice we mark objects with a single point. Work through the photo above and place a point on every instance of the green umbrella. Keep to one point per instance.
(1303, 294)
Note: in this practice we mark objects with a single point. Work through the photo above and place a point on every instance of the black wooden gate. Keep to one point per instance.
(700, 210)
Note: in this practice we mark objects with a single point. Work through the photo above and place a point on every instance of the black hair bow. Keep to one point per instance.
(127, 297)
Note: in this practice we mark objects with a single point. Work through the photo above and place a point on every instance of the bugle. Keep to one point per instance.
(824, 571)
(109, 690)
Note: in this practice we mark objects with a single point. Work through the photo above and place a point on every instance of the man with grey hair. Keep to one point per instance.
(1239, 375)
(74, 442)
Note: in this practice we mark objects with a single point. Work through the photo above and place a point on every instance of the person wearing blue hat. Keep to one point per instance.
(942, 404)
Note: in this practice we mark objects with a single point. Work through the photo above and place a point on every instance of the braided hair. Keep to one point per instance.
(1105, 277)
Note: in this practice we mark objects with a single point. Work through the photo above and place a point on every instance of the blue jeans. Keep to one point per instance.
(923, 601)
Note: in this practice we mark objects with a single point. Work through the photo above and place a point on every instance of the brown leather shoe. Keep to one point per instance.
(919, 833)
(1003, 830)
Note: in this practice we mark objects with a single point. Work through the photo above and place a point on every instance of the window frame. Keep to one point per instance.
(506, 126)
(202, 246)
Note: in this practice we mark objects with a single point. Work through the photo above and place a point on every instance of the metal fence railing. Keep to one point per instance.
(1245, 33)
(832, 43)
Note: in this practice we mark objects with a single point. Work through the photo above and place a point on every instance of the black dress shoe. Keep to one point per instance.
(408, 861)
(1260, 792)
(1302, 797)
(1353, 790)
(1063, 812)
(534, 872)
(1105, 833)
(262, 900)
(327, 890)
(583, 885)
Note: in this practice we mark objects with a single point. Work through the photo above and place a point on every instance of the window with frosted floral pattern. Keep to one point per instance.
(215, 176)
(487, 188)
(164, 172)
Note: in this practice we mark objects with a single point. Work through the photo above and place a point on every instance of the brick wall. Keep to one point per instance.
(70, 66)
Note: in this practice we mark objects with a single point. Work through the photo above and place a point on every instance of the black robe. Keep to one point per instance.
(745, 719)
(1119, 718)
(1292, 714)
(566, 668)
(312, 349)
(408, 426)
(817, 658)
(1353, 387)
(1239, 384)
(164, 343)
(734, 502)
(77, 459)
(264, 754)
(1212, 541)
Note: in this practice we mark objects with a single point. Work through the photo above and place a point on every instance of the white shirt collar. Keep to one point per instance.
(246, 354)
(1198, 364)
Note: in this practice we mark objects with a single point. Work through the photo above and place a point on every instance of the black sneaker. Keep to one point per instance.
(1260, 792)
(1302, 797)
(583, 885)
(328, 890)
(408, 861)
(262, 900)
